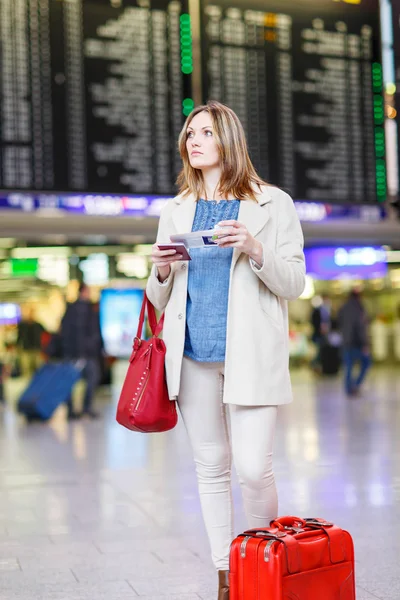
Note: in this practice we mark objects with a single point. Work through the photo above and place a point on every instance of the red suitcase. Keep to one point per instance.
(294, 559)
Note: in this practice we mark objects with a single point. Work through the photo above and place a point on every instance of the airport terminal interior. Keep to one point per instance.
(91, 511)
(93, 96)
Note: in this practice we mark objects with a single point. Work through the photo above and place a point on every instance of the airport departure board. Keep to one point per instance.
(92, 91)
(396, 48)
(396, 37)
(306, 80)
(91, 94)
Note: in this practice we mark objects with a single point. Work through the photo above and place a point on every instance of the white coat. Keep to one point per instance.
(257, 340)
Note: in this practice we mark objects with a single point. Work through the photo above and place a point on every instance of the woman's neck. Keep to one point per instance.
(211, 178)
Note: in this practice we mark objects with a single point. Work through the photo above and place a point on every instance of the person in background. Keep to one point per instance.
(353, 321)
(2, 373)
(29, 344)
(2, 364)
(102, 358)
(81, 340)
(396, 335)
(321, 323)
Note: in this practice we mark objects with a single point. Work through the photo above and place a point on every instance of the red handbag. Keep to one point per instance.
(144, 404)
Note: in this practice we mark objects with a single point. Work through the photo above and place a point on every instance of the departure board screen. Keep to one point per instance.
(396, 38)
(305, 79)
(396, 47)
(91, 95)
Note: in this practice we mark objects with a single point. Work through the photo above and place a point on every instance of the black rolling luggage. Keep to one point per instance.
(331, 354)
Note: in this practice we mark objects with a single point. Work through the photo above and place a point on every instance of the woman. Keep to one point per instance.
(226, 326)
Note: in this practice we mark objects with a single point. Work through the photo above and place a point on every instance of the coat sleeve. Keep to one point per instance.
(159, 293)
(283, 270)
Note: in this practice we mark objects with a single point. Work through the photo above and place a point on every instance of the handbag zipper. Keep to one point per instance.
(147, 375)
(142, 392)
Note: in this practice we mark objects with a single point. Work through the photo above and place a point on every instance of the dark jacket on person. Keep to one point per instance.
(320, 316)
(353, 322)
(29, 335)
(80, 331)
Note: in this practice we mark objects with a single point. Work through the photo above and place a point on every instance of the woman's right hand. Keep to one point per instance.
(163, 259)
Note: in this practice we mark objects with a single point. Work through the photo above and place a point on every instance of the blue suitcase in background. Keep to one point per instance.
(50, 386)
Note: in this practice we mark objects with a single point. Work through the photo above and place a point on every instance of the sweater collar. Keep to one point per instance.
(263, 197)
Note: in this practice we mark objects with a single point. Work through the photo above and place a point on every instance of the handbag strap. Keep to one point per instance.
(156, 328)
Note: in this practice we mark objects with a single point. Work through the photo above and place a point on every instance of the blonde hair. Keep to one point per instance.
(239, 177)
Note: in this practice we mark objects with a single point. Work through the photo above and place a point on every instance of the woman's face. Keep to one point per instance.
(200, 143)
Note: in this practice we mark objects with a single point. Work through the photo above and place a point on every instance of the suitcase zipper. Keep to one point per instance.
(243, 546)
(267, 551)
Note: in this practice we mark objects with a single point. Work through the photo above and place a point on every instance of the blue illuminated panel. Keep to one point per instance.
(10, 313)
(114, 205)
(119, 317)
(367, 262)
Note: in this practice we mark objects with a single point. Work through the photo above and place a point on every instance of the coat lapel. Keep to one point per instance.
(254, 217)
(183, 214)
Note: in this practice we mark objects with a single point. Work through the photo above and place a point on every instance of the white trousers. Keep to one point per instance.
(219, 433)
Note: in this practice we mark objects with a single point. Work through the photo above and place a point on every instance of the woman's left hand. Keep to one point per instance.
(236, 235)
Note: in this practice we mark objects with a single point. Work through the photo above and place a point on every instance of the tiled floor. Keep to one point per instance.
(91, 511)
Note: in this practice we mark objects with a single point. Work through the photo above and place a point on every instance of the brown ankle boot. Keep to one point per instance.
(223, 579)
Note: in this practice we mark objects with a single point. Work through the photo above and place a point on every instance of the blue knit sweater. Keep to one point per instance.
(208, 286)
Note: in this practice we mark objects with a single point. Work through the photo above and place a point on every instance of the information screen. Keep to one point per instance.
(91, 94)
(346, 262)
(396, 47)
(305, 79)
(10, 314)
(119, 317)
